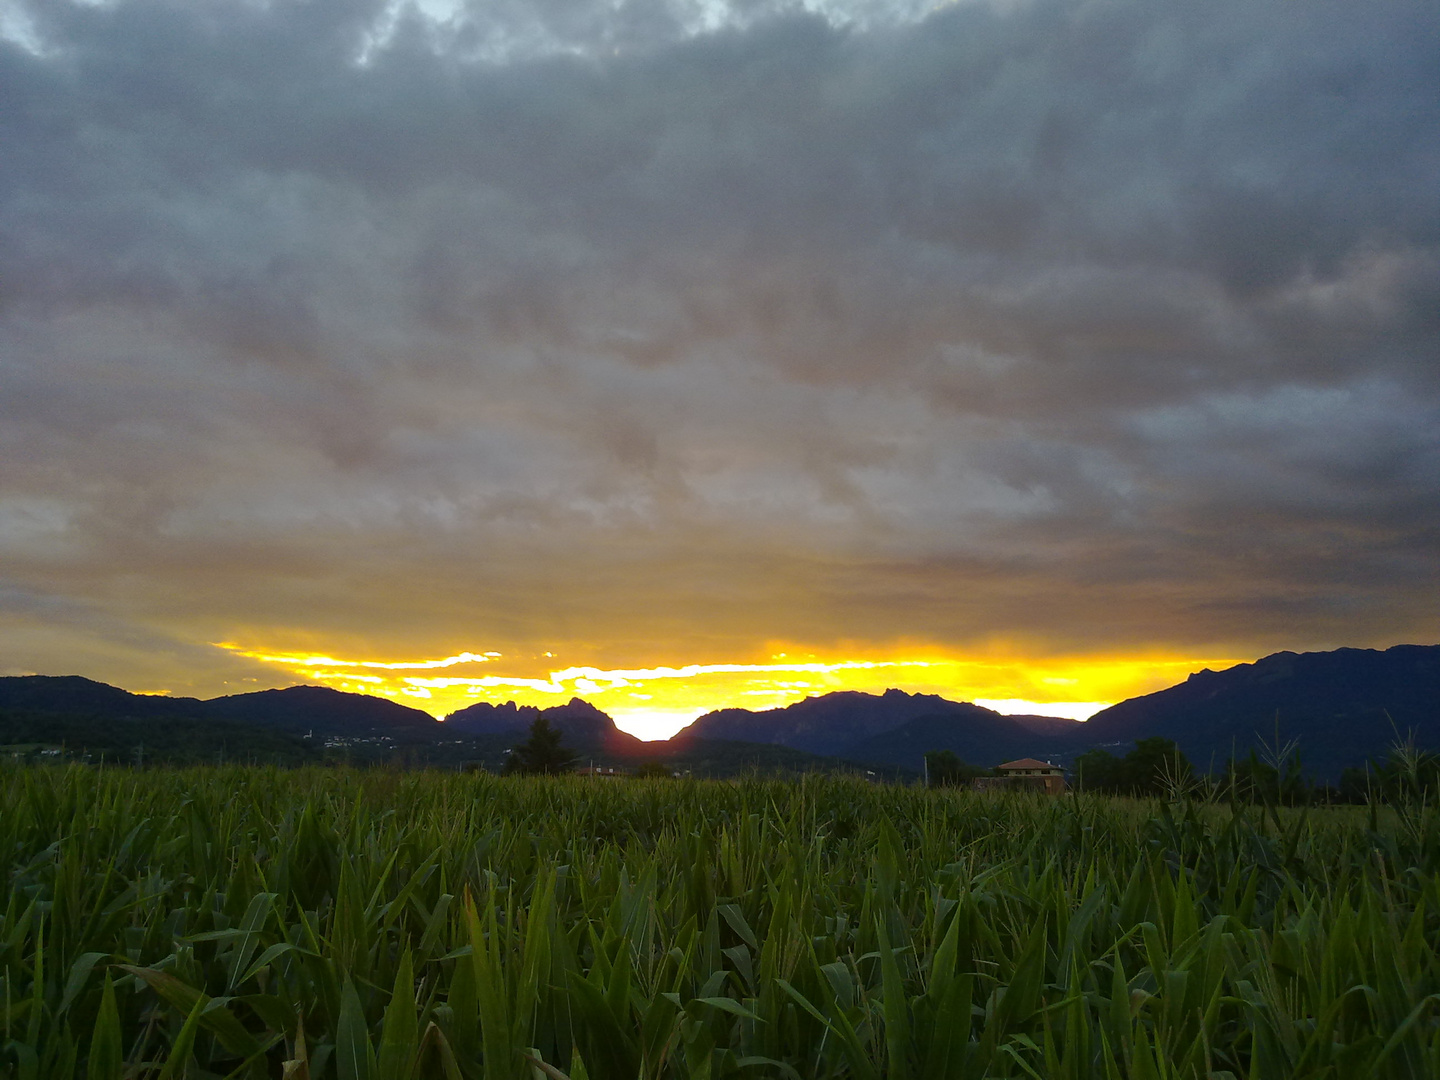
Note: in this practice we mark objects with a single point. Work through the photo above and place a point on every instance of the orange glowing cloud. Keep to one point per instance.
(656, 702)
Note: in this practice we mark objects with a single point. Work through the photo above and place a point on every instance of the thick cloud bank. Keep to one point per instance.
(685, 327)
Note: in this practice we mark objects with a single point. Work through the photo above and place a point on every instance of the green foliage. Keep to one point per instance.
(335, 923)
(541, 754)
(653, 770)
(1154, 767)
(1406, 773)
(1278, 781)
(943, 768)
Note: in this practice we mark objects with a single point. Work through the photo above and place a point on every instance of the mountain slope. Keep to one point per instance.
(584, 726)
(483, 718)
(587, 728)
(976, 735)
(1059, 727)
(300, 709)
(296, 709)
(828, 724)
(75, 694)
(1343, 707)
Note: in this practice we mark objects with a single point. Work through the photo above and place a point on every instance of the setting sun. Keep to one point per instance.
(656, 702)
(437, 406)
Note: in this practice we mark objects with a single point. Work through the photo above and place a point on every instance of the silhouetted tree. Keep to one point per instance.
(1099, 770)
(1154, 763)
(1406, 772)
(1146, 770)
(540, 754)
(1256, 780)
(946, 769)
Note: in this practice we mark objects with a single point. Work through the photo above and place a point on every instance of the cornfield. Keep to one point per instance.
(380, 925)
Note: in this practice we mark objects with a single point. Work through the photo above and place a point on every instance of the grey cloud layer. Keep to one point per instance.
(1012, 318)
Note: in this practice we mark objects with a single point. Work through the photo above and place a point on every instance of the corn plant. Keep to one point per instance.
(234, 922)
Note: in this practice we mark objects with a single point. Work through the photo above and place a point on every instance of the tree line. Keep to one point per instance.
(1274, 775)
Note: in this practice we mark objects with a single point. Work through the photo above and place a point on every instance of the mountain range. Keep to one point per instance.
(893, 728)
(1340, 708)
(298, 710)
(583, 725)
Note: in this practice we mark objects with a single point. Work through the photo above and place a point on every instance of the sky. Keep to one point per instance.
(678, 355)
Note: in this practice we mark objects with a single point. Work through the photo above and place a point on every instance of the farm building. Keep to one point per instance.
(1027, 773)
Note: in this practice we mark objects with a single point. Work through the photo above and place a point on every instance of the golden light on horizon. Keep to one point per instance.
(655, 702)
(388, 402)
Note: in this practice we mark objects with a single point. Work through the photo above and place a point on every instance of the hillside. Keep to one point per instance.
(1342, 707)
(1057, 727)
(976, 735)
(323, 711)
(483, 718)
(584, 726)
(77, 695)
(828, 724)
(295, 709)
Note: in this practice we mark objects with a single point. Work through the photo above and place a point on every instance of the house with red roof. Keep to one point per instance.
(1026, 774)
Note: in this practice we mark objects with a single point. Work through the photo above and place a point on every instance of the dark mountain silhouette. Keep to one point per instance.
(483, 718)
(1343, 707)
(976, 735)
(584, 726)
(296, 709)
(828, 724)
(301, 709)
(1061, 727)
(587, 728)
(74, 694)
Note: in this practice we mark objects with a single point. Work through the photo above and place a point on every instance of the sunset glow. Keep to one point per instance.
(655, 702)
(677, 356)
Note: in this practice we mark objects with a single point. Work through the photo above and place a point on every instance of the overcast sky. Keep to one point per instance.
(649, 333)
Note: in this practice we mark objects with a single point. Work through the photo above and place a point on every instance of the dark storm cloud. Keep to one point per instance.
(989, 320)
